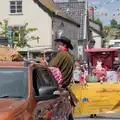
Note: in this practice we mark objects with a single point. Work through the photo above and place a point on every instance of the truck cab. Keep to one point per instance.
(28, 91)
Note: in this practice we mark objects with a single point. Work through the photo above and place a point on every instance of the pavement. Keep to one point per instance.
(115, 116)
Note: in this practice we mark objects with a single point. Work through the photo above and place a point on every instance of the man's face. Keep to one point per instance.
(60, 45)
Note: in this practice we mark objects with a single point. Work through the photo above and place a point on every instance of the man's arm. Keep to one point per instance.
(15, 55)
(55, 61)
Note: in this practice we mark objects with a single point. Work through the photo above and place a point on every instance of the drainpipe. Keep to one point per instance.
(85, 22)
(85, 36)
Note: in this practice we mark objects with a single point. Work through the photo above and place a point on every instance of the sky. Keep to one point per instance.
(106, 10)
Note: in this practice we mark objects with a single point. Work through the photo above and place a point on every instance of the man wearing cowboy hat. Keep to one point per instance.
(63, 60)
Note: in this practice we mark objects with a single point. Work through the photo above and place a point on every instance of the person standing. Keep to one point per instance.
(76, 73)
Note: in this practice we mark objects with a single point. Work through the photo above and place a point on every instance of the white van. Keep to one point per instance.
(114, 43)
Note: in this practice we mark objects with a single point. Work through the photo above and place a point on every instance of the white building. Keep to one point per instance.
(40, 14)
(96, 33)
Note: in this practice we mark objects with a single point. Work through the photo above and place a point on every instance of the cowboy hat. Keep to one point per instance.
(65, 41)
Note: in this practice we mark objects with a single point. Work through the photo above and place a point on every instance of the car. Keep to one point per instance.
(29, 91)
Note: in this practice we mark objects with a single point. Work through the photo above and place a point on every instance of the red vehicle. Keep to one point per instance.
(105, 55)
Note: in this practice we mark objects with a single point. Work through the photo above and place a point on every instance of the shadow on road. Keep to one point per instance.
(98, 117)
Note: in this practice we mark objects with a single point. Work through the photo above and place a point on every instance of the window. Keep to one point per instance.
(48, 78)
(44, 77)
(13, 82)
(15, 28)
(16, 7)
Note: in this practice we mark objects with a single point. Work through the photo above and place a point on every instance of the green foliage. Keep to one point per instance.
(106, 30)
(113, 23)
(98, 21)
(118, 26)
(19, 37)
(112, 31)
(4, 28)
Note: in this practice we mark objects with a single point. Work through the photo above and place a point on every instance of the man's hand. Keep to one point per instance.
(13, 52)
(15, 55)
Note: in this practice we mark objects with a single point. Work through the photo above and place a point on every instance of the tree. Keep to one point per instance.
(114, 33)
(106, 30)
(113, 23)
(98, 21)
(4, 28)
(118, 26)
(18, 37)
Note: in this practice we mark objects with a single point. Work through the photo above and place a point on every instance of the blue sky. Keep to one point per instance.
(106, 10)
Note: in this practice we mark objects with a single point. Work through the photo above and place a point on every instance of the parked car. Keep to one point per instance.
(30, 92)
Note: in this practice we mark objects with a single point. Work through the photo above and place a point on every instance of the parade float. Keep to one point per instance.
(100, 92)
(29, 91)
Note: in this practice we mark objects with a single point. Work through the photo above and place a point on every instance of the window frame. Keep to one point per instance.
(37, 83)
(16, 6)
(41, 70)
(25, 70)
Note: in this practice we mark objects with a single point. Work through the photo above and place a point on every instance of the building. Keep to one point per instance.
(50, 21)
(96, 33)
(77, 9)
(91, 12)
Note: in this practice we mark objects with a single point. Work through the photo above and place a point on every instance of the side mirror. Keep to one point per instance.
(56, 93)
(48, 92)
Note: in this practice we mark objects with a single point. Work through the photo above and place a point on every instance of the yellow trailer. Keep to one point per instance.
(99, 97)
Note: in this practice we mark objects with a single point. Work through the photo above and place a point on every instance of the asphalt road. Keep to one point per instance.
(115, 116)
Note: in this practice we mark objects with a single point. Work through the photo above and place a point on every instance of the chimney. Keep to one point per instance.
(91, 12)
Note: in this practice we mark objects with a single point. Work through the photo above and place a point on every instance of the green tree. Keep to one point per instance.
(4, 28)
(19, 37)
(98, 21)
(118, 26)
(106, 30)
(113, 23)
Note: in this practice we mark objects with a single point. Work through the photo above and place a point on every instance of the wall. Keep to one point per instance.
(35, 17)
(68, 30)
(98, 40)
(96, 31)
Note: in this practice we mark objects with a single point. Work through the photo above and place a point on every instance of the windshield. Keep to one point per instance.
(13, 82)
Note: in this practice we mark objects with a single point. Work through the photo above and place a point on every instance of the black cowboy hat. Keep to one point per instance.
(65, 41)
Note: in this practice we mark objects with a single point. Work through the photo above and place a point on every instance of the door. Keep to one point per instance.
(53, 101)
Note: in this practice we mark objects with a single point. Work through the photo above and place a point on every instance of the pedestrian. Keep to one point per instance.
(64, 61)
(76, 73)
(81, 78)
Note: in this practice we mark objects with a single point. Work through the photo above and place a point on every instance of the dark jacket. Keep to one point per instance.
(64, 61)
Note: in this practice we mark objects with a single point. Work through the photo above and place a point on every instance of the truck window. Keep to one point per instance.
(13, 82)
(43, 77)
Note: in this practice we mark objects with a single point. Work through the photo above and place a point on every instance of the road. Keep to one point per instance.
(115, 116)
